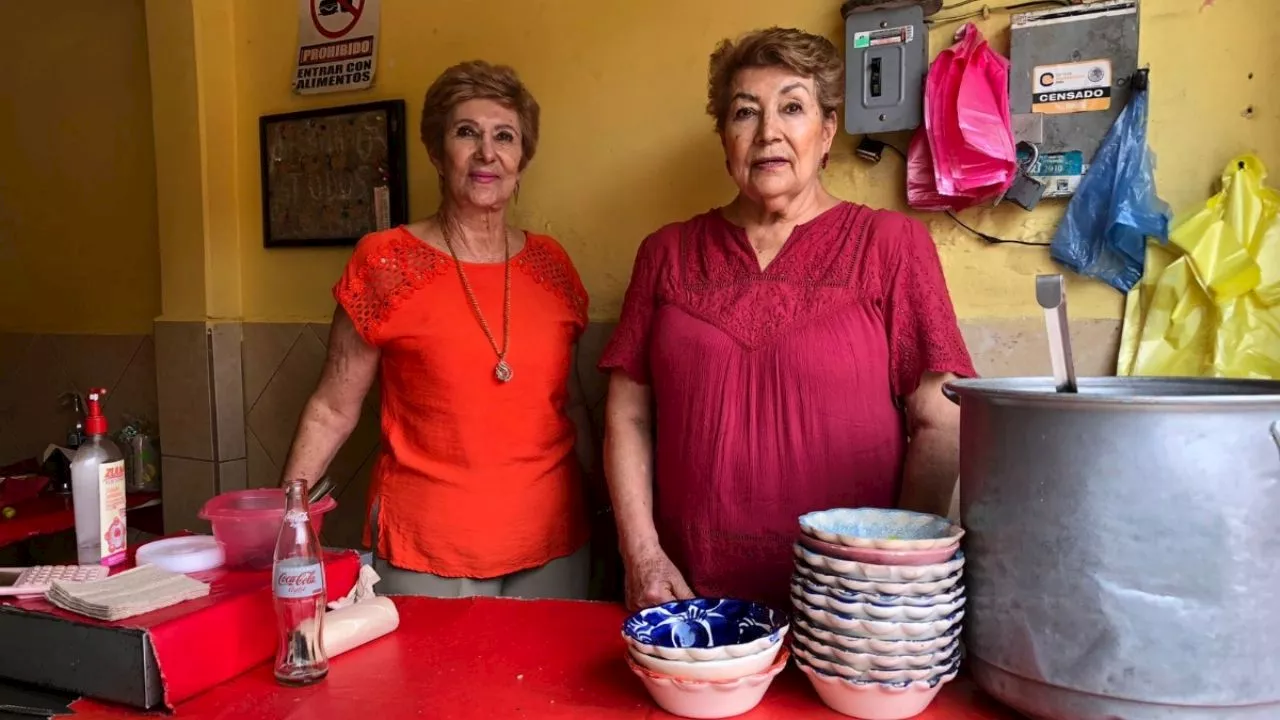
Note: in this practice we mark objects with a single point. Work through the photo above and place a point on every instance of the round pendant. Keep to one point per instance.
(502, 371)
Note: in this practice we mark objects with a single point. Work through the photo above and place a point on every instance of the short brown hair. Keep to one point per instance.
(802, 53)
(479, 80)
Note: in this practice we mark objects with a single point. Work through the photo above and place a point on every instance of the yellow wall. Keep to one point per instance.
(626, 146)
(176, 113)
(77, 171)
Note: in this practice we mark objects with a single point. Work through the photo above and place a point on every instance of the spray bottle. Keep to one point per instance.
(98, 491)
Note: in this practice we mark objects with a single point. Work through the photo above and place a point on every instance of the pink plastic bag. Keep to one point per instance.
(964, 154)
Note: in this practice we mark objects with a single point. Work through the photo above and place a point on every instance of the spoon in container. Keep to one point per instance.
(1052, 296)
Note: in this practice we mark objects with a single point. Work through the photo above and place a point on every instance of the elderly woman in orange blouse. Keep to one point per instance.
(471, 324)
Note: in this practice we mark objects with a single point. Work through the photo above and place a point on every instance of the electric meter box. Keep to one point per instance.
(886, 60)
(1070, 73)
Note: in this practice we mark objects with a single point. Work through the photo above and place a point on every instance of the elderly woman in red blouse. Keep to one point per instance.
(791, 347)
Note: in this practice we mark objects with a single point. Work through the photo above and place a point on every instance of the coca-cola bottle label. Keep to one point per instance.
(299, 581)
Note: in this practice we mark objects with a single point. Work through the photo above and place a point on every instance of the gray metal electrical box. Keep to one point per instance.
(887, 58)
(1070, 72)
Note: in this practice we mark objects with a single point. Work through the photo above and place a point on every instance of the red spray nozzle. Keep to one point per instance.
(94, 422)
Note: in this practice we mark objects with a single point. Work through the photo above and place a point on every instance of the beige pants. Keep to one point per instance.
(565, 577)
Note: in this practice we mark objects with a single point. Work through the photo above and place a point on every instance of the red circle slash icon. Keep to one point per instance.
(347, 14)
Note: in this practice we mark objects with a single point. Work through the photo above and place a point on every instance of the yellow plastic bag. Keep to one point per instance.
(1208, 304)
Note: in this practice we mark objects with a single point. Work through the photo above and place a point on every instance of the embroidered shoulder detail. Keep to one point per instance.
(924, 335)
(721, 283)
(549, 266)
(385, 270)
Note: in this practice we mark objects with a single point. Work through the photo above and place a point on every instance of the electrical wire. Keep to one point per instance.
(992, 239)
(1014, 6)
(987, 10)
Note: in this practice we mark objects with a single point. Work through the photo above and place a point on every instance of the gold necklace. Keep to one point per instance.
(501, 371)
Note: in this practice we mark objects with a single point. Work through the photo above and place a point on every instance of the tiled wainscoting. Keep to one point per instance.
(36, 369)
(227, 397)
(282, 364)
(231, 394)
(230, 397)
(199, 378)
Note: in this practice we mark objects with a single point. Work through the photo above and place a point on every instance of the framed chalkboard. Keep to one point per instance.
(331, 176)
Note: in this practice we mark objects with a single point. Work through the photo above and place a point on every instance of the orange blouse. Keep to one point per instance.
(475, 478)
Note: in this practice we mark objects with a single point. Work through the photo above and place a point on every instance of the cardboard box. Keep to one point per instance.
(160, 658)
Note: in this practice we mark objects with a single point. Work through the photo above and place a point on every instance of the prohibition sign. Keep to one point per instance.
(352, 8)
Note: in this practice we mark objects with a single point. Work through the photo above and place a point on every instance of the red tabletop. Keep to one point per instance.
(481, 658)
(50, 513)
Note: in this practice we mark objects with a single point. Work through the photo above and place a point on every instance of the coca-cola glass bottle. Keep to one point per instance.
(298, 586)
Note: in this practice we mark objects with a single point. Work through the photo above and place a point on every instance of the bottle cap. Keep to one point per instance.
(94, 422)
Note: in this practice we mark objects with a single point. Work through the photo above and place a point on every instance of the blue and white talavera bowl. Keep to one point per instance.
(882, 529)
(705, 629)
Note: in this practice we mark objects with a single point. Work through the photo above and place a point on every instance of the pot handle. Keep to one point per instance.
(954, 397)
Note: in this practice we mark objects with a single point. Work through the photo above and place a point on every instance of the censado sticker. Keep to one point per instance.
(1071, 87)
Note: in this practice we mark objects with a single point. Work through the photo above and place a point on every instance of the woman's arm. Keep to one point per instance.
(628, 452)
(334, 408)
(933, 455)
(628, 455)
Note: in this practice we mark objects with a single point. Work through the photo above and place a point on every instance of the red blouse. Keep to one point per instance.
(779, 391)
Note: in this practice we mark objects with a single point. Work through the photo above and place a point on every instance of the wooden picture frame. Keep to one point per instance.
(333, 175)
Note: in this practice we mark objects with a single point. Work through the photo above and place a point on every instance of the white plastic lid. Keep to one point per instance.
(188, 554)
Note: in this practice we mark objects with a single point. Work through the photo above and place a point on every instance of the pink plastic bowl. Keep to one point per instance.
(708, 700)
(246, 524)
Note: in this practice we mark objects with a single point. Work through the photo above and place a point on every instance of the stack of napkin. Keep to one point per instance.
(132, 592)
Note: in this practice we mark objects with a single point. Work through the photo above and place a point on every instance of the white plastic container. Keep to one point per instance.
(98, 492)
(186, 554)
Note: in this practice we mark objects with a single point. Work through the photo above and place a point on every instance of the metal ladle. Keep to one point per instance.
(1052, 296)
(320, 490)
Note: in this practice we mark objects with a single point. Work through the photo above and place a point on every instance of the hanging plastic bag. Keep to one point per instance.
(1115, 209)
(963, 154)
(1209, 302)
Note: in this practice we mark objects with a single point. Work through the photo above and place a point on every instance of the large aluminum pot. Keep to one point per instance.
(1123, 546)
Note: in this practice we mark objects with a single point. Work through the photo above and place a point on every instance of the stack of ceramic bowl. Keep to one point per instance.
(706, 658)
(878, 608)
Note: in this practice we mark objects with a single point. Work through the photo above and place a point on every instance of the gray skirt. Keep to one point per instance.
(566, 577)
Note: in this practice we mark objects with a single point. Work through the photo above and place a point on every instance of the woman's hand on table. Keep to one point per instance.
(652, 579)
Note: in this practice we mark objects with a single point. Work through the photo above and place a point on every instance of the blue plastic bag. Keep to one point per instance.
(1115, 209)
